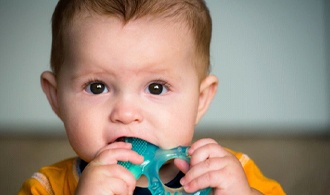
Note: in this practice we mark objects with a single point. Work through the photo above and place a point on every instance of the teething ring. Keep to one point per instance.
(154, 159)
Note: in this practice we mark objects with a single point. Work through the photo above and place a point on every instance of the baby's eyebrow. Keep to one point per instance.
(89, 72)
(82, 77)
(157, 70)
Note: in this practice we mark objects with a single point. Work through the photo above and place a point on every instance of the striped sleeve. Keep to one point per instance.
(38, 184)
(255, 177)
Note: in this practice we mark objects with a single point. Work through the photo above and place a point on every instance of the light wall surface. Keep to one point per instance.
(271, 57)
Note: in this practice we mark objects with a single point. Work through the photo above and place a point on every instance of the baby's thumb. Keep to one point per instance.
(182, 165)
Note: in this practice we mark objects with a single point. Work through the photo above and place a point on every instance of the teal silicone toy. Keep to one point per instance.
(154, 158)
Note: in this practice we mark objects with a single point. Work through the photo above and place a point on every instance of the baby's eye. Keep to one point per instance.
(96, 88)
(157, 88)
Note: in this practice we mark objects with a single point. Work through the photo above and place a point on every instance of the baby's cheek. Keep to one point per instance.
(83, 147)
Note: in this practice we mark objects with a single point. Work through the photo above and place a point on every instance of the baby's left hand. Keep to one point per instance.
(213, 166)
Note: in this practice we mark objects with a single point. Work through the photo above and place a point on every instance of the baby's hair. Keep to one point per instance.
(192, 13)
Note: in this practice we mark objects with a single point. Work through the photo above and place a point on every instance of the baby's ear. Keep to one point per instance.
(208, 89)
(49, 86)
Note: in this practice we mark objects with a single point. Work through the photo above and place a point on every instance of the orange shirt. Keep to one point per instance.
(62, 178)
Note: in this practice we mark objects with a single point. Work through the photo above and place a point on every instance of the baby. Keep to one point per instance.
(136, 68)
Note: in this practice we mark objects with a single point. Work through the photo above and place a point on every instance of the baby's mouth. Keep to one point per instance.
(120, 139)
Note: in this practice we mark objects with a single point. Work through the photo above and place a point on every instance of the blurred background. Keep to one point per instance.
(273, 62)
(270, 57)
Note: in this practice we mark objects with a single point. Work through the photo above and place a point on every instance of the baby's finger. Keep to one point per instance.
(200, 143)
(218, 172)
(182, 165)
(207, 151)
(113, 186)
(112, 179)
(112, 156)
(203, 168)
(115, 145)
(123, 174)
(209, 179)
(117, 171)
(116, 187)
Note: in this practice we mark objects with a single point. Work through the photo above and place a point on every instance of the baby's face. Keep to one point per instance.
(133, 80)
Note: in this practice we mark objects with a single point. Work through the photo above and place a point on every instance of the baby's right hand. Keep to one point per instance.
(104, 176)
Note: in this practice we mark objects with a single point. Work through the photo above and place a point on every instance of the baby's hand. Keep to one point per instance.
(213, 166)
(104, 176)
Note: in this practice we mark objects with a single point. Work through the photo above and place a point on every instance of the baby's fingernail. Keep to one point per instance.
(183, 181)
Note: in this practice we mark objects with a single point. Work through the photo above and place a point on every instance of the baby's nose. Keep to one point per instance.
(126, 111)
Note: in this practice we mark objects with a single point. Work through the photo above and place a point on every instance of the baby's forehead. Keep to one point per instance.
(139, 31)
(85, 21)
(158, 22)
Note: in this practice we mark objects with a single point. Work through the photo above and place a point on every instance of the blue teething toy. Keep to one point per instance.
(154, 158)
